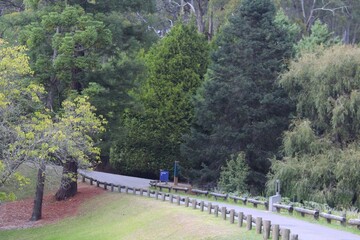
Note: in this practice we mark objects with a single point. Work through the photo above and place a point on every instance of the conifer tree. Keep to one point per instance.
(153, 129)
(240, 107)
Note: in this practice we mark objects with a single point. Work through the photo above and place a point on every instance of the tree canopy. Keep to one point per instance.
(321, 147)
(239, 107)
(153, 129)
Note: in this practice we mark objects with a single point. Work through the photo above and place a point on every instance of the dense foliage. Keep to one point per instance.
(239, 107)
(144, 66)
(153, 129)
(321, 148)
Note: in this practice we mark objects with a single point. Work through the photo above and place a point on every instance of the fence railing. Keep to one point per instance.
(290, 208)
(264, 227)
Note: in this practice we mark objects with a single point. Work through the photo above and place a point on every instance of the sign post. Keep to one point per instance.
(176, 173)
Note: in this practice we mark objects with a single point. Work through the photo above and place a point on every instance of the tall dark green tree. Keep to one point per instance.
(240, 107)
(153, 128)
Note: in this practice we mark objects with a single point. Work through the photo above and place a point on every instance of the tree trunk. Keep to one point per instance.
(68, 187)
(36, 215)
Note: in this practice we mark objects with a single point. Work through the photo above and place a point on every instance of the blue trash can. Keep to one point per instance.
(164, 176)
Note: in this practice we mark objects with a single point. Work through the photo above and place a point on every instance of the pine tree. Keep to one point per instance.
(153, 130)
(240, 107)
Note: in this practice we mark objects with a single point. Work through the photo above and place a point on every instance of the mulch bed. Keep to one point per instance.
(16, 215)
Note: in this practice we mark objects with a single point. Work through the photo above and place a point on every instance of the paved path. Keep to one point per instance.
(118, 179)
(305, 230)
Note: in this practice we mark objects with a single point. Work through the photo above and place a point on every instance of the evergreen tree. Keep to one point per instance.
(153, 129)
(240, 107)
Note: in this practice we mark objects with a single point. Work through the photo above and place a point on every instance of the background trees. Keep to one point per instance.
(321, 148)
(239, 107)
(153, 129)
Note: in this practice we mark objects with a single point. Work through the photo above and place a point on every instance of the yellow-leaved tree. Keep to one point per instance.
(30, 133)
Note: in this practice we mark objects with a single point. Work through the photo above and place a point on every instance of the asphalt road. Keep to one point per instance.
(305, 230)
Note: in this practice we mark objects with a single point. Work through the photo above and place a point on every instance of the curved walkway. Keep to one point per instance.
(305, 230)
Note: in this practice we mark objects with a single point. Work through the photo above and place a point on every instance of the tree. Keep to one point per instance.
(321, 147)
(153, 129)
(240, 107)
(233, 175)
(18, 97)
(340, 16)
(320, 35)
(77, 125)
(63, 45)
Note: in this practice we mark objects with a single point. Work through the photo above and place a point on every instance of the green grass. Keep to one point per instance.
(118, 216)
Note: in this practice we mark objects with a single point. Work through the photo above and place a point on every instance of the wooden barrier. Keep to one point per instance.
(275, 232)
(235, 198)
(304, 211)
(180, 189)
(355, 222)
(199, 192)
(278, 207)
(257, 202)
(163, 186)
(223, 213)
(249, 222)
(216, 210)
(328, 216)
(267, 228)
(218, 195)
(258, 223)
(202, 206)
(240, 218)
(209, 207)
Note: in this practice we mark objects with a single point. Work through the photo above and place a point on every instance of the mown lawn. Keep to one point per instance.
(119, 216)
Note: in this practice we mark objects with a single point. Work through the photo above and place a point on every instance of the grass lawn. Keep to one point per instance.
(119, 216)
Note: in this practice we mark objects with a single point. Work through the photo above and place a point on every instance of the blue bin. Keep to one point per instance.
(164, 176)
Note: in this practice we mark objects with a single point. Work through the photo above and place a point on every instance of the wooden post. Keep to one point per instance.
(134, 190)
(343, 223)
(249, 222)
(209, 207)
(285, 234)
(126, 190)
(275, 232)
(240, 218)
(223, 213)
(112, 187)
(171, 198)
(119, 188)
(148, 193)
(216, 210)
(258, 225)
(91, 181)
(193, 203)
(294, 237)
(105, 186)
(97, 183)
(141, 192)
(178, 199)
(187, 202)
(232, 216)
(157, 195)
(176, 181)
(163, 196)
(267, 226)
(202, 206)
(83, 178)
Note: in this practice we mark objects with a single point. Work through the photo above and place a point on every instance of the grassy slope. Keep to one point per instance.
(118, 216)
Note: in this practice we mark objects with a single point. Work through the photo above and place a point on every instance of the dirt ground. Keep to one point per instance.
(15, 215)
